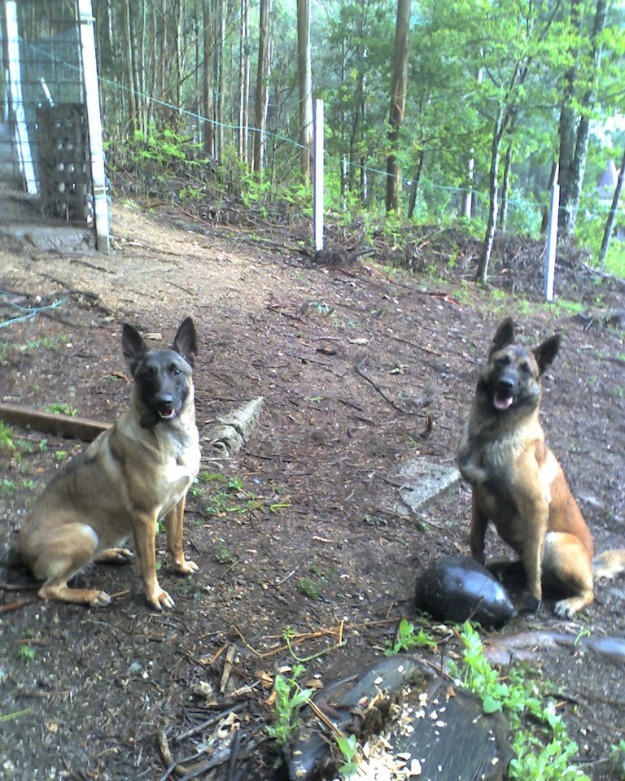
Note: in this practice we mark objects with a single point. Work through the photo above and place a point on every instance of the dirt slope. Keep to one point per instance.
(361, 370)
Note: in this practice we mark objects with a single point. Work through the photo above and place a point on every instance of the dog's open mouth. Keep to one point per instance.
(167, 414)
(503, 401)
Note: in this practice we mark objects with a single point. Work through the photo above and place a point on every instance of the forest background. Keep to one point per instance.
(461, 112)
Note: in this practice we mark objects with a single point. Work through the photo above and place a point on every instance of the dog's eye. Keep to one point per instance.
(503, 361)
(526, 368)
(175, 371)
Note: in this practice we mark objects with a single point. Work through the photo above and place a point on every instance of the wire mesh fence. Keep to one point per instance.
(44, 148)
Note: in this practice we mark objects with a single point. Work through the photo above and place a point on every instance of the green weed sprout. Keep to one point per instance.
(406, 638)
(289, 699)
(517, 696)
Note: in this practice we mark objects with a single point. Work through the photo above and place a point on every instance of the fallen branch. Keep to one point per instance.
(386, 398)
(52, 423)
(17, 605)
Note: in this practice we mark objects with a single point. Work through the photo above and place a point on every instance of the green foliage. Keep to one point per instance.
(543, 757)
(348, 746)
(27, 653)
(61, 408)
(308, 588)
(15, 715)
(231, 496)
(289, 699)
(617, 759)
(223, 554)
(7, 438)
(406, 638)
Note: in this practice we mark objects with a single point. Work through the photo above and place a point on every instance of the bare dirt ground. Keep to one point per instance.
(362, 369)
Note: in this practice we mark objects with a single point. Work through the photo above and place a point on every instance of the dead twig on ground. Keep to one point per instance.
(17, 605)
(386, 398)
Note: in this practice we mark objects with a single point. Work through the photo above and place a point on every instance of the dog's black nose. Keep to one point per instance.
(505, 385)
(165, 401)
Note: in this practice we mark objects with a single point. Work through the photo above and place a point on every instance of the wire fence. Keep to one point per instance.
(50, 75)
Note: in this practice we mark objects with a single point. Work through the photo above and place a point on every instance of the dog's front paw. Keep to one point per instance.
(566, 608)
(160, 599)
(99, 599)
(530, 604)
(185, 567)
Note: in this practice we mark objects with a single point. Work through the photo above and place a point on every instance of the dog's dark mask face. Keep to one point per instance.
(162, 377)
(512, 376)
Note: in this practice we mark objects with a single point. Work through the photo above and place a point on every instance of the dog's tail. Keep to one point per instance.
(609, 564)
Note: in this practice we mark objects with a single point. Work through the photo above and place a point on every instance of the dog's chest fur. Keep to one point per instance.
(180, 452)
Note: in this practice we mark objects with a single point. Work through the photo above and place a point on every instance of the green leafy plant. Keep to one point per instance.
(406, 638)
(7, 486)
(223, 554)
(617, 759)
(61, 408)
(308, 588)
(289, 698)
(348, 746)
(545, 756)
(7, 438)
(27, 653)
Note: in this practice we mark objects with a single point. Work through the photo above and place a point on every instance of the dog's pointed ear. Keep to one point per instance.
(546, 352)
(185, 342)
(504, 336)
(133, 347)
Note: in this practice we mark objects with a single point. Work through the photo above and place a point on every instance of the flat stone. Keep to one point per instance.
(422, 481)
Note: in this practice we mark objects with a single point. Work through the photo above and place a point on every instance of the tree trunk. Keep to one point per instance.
(493, 192)
(207, 82)
(219, 33)
(398, 103)
(574, 145)
(244, 81)
(544, 224)
(304, 81)
(609, 225)
(505, 189)
(262, 78)
(414, 190)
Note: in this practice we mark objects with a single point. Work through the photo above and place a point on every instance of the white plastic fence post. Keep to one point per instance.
(94, 123)
(552, 239)
(318, 175)
(14, 78)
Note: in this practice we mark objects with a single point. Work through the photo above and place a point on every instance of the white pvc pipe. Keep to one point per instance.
(318, 182)
(552, 239)
(94, 124)
(17, 101)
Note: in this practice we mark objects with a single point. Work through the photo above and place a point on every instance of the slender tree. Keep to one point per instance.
(208, 135)
(304, 81)
(574, 122)
(244, 80)
(609, 225)
(262, 79)
(398, 104)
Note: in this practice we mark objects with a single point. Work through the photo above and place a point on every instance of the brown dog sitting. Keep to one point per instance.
(135, 473)
(518, 483)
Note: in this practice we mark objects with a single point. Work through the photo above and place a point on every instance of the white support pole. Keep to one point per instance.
(17, 100)
(552, 238)
(94, 124)
(318, 143)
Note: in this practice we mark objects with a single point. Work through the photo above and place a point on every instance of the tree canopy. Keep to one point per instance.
(497, 93)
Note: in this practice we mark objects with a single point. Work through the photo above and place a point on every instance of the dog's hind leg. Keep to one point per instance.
(114, 556)
(568, 561)
(61, 555)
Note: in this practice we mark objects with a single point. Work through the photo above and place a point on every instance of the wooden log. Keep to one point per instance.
(51, 423)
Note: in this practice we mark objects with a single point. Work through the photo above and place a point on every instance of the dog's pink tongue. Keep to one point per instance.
(503, 402)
